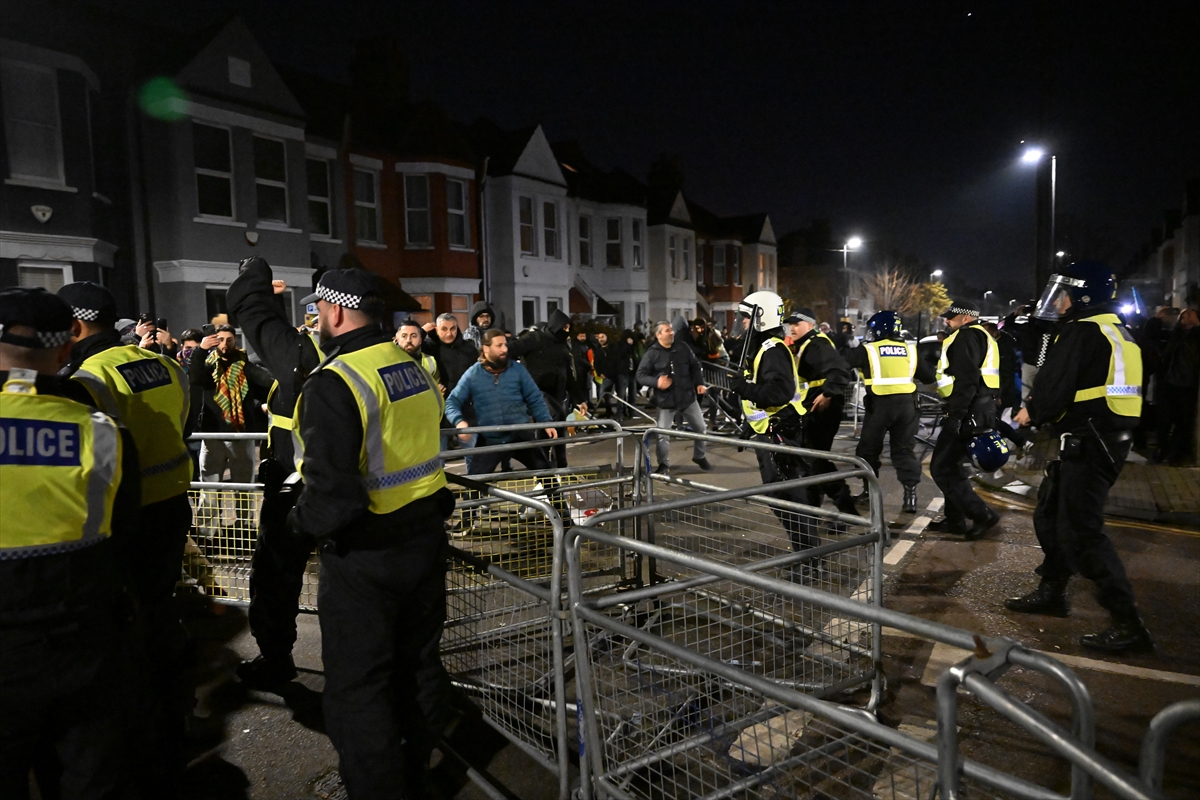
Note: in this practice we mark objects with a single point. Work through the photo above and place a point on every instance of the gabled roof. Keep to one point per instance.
(587, 181)
(668, 207)
(752, 228)
(501, 148)
(207, 73)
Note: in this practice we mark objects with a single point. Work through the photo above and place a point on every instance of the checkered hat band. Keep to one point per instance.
(804, 318)
(55, 339)
(970, 312)
(40, 339)
(338, 298)
(85, 314)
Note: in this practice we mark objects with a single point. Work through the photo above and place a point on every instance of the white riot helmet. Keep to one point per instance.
(765, 309)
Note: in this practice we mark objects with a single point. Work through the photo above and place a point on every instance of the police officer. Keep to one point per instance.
(1089, 389)
(68, 488)
(890, 368)
(772, 405)
(824, 376)
(280, 557)
(375, 500)
(968, 381)
(147, 393)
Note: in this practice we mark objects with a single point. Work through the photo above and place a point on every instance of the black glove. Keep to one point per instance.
(969, 428)
(737, 384)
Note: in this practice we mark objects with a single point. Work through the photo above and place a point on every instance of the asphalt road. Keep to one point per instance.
(263, 746)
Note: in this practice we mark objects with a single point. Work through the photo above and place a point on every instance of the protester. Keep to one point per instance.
(455, 355)
(479, 320)
(671, 371)
(1179, 381)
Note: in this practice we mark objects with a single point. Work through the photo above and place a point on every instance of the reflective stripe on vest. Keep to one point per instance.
(1123, 390)
(804, 386)
(147, 393)
(759, 418)
(891, 372)
(989, 370)
(60, 466)
(429, 363)
(400, 409)
(275, 420)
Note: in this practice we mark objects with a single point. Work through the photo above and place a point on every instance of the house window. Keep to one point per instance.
(718, 268)
(672, 259)
(552, 304)
(735, 265)
(366, 205)
(270, 180)
(416, 209)
(217, 306)
(612, 249)
(762, 271)
(31, 122)
(550, 229)
(528, 311)
(525, 213)
(639, 312)
(637, 245)
(699, 263)
(214, 170)
(426, 312)
(320, 212)
(459, 305)
(585, 241)
(44, 276)
(687, 258)
(239, 72)
(456, 213)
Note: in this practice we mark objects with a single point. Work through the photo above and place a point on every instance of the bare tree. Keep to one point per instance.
(891, 287)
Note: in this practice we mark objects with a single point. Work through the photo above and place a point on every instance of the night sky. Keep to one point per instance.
(900, 121)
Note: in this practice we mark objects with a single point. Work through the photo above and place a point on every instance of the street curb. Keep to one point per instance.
(1183, 518)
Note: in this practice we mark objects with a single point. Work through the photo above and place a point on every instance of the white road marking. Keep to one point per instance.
(901, 548)
(945, 656)
(899, 551)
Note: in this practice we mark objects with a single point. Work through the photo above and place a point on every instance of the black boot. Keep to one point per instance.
(1127, 635)
(910, 500)
(1049, 598)
(947, 525)
(265, 673)
(982, 526)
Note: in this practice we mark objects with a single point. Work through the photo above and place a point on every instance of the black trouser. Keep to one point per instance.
(820, 428)
(896, 416)
(1176, 421)
(382, 611)
(1069, 521)
(530, 457)
(63, 694)
(778, 467)
(277, 576)
(946, 465)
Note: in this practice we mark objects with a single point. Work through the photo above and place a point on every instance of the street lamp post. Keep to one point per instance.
(985, 297)
(853, 243)
(1047, 171)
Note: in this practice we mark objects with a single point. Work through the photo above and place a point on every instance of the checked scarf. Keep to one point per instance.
(232, 389)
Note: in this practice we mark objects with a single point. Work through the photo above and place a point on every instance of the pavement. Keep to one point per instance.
(266, 746)
(1143, 491)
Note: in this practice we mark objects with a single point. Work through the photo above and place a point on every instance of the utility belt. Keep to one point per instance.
(1077, 446)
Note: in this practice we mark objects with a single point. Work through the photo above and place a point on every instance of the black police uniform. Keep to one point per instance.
(280, 556)
(894, 415)
(970, 398)
(775, 386)
(1069, 519)
(380, 574)
(821, 361)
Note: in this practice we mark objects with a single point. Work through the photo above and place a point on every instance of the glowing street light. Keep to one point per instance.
(853, 243)
(1032, 155)
(937, 273)
(1047, 166)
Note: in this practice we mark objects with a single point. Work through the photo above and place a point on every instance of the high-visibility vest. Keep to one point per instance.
(989, 369)
(60, 466)
(429, 364)
(275, 419)
(806, 386)
(893, 365)
(148, 394)
(760, 418)
(400, 408)
(1122, 390)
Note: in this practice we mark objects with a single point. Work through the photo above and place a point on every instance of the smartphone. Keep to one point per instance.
(208, 330)
(161, 322)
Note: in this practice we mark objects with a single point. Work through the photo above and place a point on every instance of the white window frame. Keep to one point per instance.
(609, 241)
(636, 236)
(66, 268)
(673, 256)
(287, 211)
(552, 242)
(639, 312)
(735, 266)
(686, 257)
(585, 241)
(410, 209)
(536, 311)
(16, 177)
(557, 303)
(464, 212)
(327, 199)
(374, 173)
(720, 277)
(212, 173)
(531, 225)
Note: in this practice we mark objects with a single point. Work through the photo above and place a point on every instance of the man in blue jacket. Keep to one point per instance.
(503, 393)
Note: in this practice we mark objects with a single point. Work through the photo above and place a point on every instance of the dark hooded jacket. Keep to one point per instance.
(680, 363)
(453, 359)
(546, 353)
(623, 358)
(474, 332)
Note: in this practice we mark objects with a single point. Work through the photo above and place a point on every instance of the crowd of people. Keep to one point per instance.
(95, 469)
